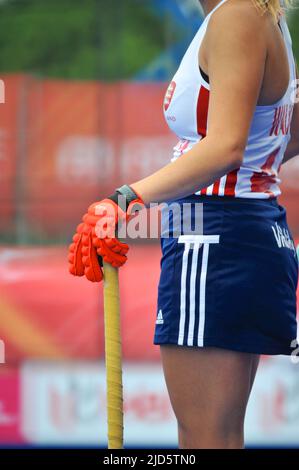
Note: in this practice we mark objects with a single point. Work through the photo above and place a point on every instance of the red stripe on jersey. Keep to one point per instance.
(202, 111)
(261, 182)
(216, 188)
(231, 182)
(276, 120)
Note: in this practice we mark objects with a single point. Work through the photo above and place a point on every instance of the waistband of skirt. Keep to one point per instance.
(203, 199)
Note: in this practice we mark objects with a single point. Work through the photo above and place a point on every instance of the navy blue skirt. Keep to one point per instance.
(229, 274)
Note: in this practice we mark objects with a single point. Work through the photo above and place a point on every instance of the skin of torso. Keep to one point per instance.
(276, 72)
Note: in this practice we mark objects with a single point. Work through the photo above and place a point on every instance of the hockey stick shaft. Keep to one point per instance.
(113, 357)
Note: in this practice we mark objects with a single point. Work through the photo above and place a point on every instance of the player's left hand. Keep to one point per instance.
(95, 239)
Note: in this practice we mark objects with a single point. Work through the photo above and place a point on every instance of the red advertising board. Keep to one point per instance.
(64, 144)
(10, 406)
(47, 313)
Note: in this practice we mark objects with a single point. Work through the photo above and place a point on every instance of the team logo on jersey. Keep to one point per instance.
(169, 95)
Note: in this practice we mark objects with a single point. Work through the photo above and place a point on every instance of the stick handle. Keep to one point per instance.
(113, 358)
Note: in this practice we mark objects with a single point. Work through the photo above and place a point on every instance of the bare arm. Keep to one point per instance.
(236, 55)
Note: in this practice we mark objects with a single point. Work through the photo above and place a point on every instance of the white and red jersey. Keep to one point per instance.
(186, 111)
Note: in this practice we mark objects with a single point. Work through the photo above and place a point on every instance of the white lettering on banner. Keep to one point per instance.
(70, 404)
(2, 352)
(144, 155)
(94, 158)
(2, 92)
(273, 411)
(66, 404)
(89, 158)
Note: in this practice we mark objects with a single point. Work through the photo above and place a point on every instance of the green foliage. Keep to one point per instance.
(106, 39)
(86, 39)
(294, 27)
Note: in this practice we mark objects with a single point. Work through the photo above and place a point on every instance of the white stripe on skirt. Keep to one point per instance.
(202, 299)
(195, 242)
(192, 295)
(183, 294)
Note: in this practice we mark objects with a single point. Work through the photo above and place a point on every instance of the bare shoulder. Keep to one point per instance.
(240, 20)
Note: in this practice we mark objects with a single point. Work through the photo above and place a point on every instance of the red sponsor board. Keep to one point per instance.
(10, 111)
(66, 404)
(64, 144)
(47, 313)
(70, 404)
(10, 406)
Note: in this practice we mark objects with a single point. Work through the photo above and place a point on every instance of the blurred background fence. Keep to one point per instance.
(84, 86)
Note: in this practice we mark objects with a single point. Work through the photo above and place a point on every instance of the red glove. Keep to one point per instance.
(95, 239)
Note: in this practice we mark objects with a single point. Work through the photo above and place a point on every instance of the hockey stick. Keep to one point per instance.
(113, 358)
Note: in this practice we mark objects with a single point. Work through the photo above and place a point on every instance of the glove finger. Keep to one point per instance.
(115, 264)
(79, 228)
(76, 266)
(92, 269)
(110, 257)
(93, 275)
(86, 261)
(71, 257)
(89, 219)
(72, 247)
(86, 246)
(86, 230)
(86, 235)
(85, 250)
(118, 257)
(96, 241)
(76, 237)
(117, 246)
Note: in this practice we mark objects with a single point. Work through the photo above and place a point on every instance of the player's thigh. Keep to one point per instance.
(255, 360)
(208, 385)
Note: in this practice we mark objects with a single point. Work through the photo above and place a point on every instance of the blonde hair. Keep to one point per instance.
(276, 7)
